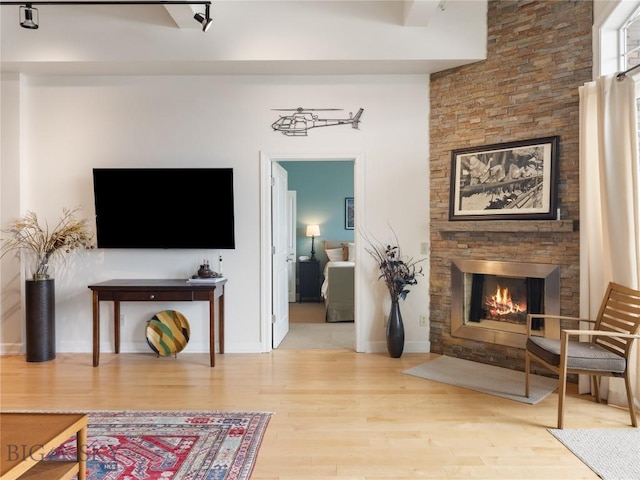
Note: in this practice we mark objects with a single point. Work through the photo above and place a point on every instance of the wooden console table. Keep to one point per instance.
(27, 438)
(174, 290)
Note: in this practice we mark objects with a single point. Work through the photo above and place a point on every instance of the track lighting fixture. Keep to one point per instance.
(205, 20)
(29, 15)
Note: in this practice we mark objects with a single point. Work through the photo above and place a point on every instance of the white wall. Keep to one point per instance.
(70, 125)
(10, 274)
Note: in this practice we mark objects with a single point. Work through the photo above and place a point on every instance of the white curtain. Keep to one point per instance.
(609, 209)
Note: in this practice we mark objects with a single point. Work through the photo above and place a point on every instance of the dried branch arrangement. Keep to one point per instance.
(26, 233)
(396, 271)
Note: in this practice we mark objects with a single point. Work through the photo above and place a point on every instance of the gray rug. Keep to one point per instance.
(319, 335)
(480, 377)
(612, 453)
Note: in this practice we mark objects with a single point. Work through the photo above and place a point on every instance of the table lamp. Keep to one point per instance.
(313, 231)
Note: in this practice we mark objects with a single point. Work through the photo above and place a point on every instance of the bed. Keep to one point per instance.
(338, 286)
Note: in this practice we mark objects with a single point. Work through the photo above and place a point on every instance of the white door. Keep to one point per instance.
(280, 260)
(291, 242)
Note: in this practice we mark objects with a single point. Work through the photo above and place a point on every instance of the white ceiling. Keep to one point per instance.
(247, 37)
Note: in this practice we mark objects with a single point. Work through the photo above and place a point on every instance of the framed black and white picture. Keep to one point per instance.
(506, 181)
(348, 213)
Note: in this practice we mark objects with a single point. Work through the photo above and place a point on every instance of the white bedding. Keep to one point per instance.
(338, 291)
(328, 265)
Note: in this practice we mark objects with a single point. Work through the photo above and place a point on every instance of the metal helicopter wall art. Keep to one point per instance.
(303, 119)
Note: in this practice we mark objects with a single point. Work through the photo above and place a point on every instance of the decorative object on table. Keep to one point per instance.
(398, 273)
(505, 181)
(205, 272)
(313, 231)
(170, 444)
(349, 215)
(168, 333)
(216, 279)
(26, 236)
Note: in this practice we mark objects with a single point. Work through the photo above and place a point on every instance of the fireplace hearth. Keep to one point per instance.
(490, 300)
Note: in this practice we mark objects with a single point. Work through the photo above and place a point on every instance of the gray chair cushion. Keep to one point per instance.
(582, 355)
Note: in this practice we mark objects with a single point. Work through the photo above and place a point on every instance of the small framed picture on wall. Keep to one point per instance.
(348, 213)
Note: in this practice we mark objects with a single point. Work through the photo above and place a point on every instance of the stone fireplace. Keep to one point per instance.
(490, 300)
(543, 256)
(526, 88)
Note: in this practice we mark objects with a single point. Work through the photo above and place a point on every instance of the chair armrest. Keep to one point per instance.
(531, 316)
(598, 333)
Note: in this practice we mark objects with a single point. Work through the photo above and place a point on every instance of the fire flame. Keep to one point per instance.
(501, 303)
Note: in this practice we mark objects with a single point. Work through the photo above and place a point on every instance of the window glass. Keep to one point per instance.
(630, 48)
(630, 41)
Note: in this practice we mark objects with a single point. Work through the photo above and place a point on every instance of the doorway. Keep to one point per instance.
(321, 188)
(269, 293)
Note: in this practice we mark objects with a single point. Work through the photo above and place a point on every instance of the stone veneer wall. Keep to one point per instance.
(538, 54)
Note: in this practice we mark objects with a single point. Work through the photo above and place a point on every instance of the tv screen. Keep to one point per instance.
(164, 208)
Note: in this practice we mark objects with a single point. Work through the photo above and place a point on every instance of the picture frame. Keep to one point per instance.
(505, 181)
(349, 217)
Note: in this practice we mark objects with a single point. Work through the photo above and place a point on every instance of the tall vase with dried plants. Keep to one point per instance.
(39, 245)
(398, 273)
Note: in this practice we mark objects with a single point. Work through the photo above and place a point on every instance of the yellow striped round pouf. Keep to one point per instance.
(168, 332)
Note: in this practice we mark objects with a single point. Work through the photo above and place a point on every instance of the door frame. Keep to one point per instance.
(292, 215)
(266, 313)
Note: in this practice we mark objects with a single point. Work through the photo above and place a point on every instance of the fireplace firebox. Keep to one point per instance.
(490, 300)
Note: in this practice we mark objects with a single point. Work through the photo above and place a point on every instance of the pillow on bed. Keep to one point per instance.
(351, 257)
(348, 251)
(334, 254)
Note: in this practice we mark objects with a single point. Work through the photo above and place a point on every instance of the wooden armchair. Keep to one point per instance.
(606, 353)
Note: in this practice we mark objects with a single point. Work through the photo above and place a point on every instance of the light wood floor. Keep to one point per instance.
(337, 413)
(309, 312)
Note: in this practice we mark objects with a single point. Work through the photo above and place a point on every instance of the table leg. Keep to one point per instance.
(116, 325)
(96, 329)
(212, 328)
(221, 321)
(81, 444)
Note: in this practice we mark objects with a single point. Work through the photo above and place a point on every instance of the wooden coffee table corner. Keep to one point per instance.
(26, 439)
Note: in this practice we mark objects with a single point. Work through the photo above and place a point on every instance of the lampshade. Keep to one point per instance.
(313, 230)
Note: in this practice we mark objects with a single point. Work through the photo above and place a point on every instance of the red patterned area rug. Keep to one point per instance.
(169, 445)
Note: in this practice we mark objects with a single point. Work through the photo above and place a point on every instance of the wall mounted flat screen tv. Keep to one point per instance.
(190, 208)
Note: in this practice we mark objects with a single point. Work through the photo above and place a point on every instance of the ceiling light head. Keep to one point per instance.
(204, 20)
(29, 17)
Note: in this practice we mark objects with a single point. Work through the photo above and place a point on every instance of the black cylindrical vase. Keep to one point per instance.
(395, 332)
(40, 313)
